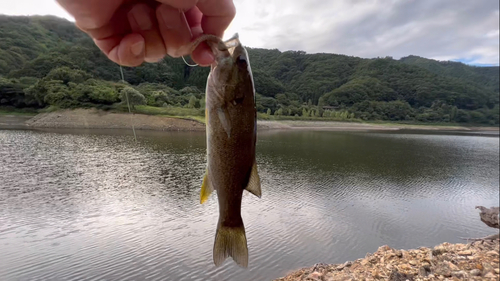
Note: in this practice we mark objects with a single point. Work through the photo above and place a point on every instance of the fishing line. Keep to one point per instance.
(183, 16)
(128, 104)
(192, 65)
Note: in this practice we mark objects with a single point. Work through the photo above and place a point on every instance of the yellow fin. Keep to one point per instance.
(206, 189)
(254, 182)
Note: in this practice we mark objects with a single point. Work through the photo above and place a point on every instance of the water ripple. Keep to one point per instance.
(99, 206)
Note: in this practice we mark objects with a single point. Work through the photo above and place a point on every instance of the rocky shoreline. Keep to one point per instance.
(471, 261)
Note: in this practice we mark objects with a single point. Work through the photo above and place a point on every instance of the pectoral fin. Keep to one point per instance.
(254, 182)
(225, 120)
(206, 188)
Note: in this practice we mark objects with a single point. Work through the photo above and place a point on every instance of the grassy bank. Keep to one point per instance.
(18, 111)
(173, 112)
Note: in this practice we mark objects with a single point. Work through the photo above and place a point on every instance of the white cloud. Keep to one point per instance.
(33, 7)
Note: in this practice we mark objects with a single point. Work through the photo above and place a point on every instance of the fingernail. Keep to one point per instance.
(171, 17)
(138, 48)
(140, 17)
(206, 58)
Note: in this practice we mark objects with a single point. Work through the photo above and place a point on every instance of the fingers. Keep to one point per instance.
(127, 51)
(130, 32)
(131, 36)
(202, 55)
(217, 15)
(174, 29)
(142, 20)
(193, 17)
(183, 5)
(116, 40)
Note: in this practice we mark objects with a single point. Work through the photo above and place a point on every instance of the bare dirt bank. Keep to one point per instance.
(98, 119)
(352, 126)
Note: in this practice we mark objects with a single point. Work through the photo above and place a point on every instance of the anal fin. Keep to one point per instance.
(206, 188)
(253, 185)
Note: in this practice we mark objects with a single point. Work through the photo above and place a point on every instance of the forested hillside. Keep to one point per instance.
(47, 61)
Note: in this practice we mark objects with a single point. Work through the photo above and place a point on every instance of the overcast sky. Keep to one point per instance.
(460, 30)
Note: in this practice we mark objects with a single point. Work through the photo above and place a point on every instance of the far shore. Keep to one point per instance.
(97, 119)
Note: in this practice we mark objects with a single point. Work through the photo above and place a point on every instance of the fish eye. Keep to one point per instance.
(241, 59)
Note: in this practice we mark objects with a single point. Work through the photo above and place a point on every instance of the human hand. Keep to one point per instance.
(131, 32)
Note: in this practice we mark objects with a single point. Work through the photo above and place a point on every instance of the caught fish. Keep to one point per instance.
(231, 128)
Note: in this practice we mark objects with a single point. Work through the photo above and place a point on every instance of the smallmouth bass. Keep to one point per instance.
(231, 128)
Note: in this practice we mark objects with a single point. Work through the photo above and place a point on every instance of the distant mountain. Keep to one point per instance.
(35, 49)
(487, 76)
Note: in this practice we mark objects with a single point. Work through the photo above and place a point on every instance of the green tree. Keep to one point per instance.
(305, 113)
(192, 102)
(133, 96)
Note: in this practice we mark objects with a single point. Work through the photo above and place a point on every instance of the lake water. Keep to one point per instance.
(96, 205)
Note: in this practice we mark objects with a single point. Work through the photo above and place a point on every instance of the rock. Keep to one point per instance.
(422, 272)
(443, 269)
(492, 253)
(490, 275)
(398, 276)
(384, 248)
(487, 267)
(452, 266)
(375, 274)
(459, 274)
(475, 272)
(405, 267)
(443, 262)
(316, 276)
(437, 252)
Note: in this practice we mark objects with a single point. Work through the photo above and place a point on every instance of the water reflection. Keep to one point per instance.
(98, 205)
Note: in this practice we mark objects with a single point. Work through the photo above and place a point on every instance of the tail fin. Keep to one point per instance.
(231, 241)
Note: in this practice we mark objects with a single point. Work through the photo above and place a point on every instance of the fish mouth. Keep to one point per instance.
(233, 44)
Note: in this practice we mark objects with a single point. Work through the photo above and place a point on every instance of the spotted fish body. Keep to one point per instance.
(231, 120)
